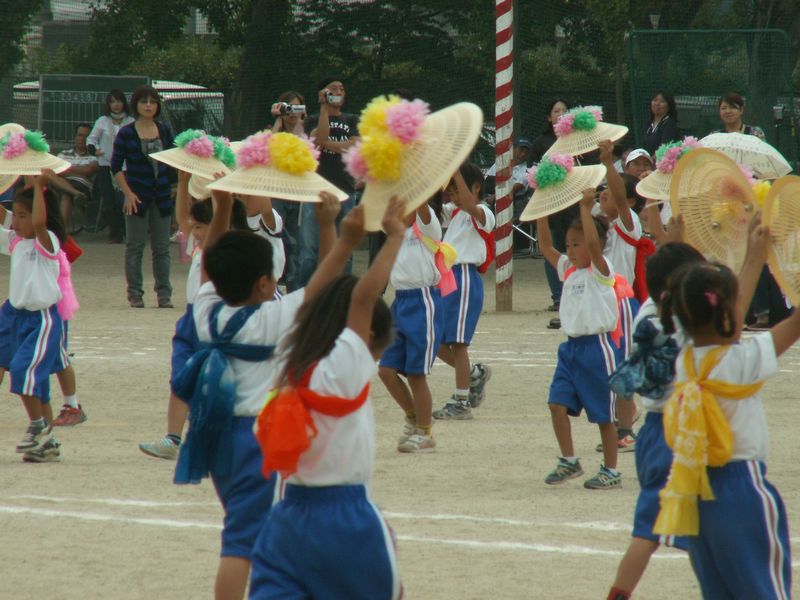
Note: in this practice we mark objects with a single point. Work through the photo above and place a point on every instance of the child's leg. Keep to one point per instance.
(177, 413)
(563, 429)
(446, 355)
(232, 578)
(632, 567)
(462, 366)
(68, 383)
(33, 406)
(423, 401)
(398, 390)
(608, 435)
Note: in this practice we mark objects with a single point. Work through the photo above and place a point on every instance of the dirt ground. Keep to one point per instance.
(474, 520)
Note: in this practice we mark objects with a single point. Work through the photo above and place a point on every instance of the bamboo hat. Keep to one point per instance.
(656, 185)
(199, 154)
(24, 152)
(782, 214)
(581, 129)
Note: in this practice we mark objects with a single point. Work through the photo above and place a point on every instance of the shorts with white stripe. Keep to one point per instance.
(581, 378)
(628, 309)
(35, 338)
(742, 550)
(462, 308)
(325, 543)
(63, 355)
(418, 325)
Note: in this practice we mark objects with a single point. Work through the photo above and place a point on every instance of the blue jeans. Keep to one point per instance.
(308, 240)
(290, 213)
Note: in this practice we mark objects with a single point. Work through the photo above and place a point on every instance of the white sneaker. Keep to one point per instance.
(409, 428)
(163, 448)
(418, 443)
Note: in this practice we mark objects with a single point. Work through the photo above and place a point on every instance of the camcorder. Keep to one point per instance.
(291, 109)
(333, 99)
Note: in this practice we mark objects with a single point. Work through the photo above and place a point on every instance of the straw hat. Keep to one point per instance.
(26, 153)
(198, 187)
(655, 186)
(6, 181)
(424, 165)
(581, 130)
(765, 161)
(782, 214)
(199, 154)
(277, 165)
(717, 203)
(553, 198)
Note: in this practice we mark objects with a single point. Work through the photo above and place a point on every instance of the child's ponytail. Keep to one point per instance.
(667, 318)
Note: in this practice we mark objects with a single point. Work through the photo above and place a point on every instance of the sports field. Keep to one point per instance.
(473, 520)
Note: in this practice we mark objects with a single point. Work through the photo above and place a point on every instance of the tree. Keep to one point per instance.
(16, 19)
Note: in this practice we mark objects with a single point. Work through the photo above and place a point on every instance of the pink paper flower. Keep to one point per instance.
(562, 160)
(531, 174)
(311, 146)
(354, 162)
(201, 147)
(254, 151)
(564, 125)
(404, 120)
(16, 146)
(748, 173)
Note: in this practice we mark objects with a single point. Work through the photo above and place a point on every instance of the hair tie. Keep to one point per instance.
(713, 298)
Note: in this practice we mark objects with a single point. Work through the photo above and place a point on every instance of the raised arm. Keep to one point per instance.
(332, 262)
(220, 222)
(654, 222)
(373, 282)
(754, 262)
(615, 185)
(546, 247)
(267, 216)
(590, 236)
(469, 202)
(183, 202)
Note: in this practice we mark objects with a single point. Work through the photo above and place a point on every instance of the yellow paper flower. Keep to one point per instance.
(383, 155)
(291, 154)
(373, 117)
(720, 211)
(761, 189)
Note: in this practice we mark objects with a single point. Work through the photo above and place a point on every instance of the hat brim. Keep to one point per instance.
(655, 186)
(557, 197)
(446, 140)
(765, 160)
(267, 181)
(717, 204)
(31, 162)
(782, 214)
(580, 142)
(198, 187)
(6, 181)
(196, 165)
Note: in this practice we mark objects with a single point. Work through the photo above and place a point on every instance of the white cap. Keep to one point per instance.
(638, 153)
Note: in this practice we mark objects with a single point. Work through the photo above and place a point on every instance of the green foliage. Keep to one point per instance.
(16, 18)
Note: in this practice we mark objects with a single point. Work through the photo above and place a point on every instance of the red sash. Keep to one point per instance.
(284, 428)
(644, 248)
(488, 241)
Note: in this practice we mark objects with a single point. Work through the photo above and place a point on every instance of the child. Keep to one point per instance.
(226, 382)
(30, 325)
(588, 312)
(266, 222)
(653, 456)
(466, 215)
(326, 539)
(716, 426)
(418, 320)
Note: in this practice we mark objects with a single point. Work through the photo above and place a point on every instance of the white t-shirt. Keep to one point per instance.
(265, 327)
(621, 254)
(256, 223)
(79, 160)
(463, 236)
(102, 137)
(588, 302)
(343, 452)
(519, 174)
(415, 266)
(751, 360)
(34, 271)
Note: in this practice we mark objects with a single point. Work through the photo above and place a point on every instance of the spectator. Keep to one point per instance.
(548, 137)
(80, 177)
(101, 144)
(663, 126)
(638, 163)
(145, 183)
(731, 113)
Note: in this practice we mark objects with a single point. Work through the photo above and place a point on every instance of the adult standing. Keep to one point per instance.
(145, 184)
(548, 136)
(333, 131)
(101, 144)
(731, 113)
(663, 126)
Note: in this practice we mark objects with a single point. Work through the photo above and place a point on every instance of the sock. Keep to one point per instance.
(462, 395)
(71, 401)
(621, 433)
(175, 439)
(40, 422)
(411, 416)
(618, 594)
(612, 471)
(425, 429)
(570, 459)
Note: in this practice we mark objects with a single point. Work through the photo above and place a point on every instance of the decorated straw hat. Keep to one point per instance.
(198, 187)
(6, 181)
(717, 202)
(764, 160)
(558, 184)
(24, 152)
(581, 129)
(656, 185)
(199, 154)
(407, 152)
(782, 214)
(278, 165)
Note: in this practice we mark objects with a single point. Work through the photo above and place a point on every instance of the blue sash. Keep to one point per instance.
(208, 382)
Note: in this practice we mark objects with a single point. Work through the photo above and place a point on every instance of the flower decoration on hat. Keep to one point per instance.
(199, 143)
(581, 118)
(388, 126)
(552, 170)
(285, 151)
(667, 155)
(13, 145)
(761, 190)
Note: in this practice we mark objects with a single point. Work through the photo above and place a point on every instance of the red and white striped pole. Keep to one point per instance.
(504, 127)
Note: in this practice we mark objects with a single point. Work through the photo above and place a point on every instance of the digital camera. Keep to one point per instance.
(334, 99)
(292, 109)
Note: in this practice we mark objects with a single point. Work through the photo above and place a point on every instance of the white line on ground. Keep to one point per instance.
(109, 501)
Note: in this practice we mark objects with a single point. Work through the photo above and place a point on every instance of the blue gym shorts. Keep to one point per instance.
(418, 323)
(462, 308)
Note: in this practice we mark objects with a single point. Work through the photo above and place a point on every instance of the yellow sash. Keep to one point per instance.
(700, 436)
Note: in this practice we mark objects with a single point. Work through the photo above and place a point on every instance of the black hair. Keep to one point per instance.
(202, 211)
(436, 202)
(405, 94)
(733, 99)
(700, 294)
(290, 95)
(115, 95)
(321, 320)
(326, 81)
(630, 192)
(600, 227)
(55, 220)
(142, 93)
(79, 125)
(235, 262)
(472, 174)
(239, 216)
(672, 108)
(549, 126)
(660, 266)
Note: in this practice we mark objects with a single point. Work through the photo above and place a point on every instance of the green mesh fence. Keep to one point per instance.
(698, 66)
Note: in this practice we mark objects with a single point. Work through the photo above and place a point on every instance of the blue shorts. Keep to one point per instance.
(246, 495)
(184, 342)
(418, 323)
(581, 378)
(628, 309)
(462, 308)
(63, 355)
(653, 463)
(32, 348)
(325, 543)
(742, 551)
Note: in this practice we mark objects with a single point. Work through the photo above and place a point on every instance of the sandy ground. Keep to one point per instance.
(474, 520)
